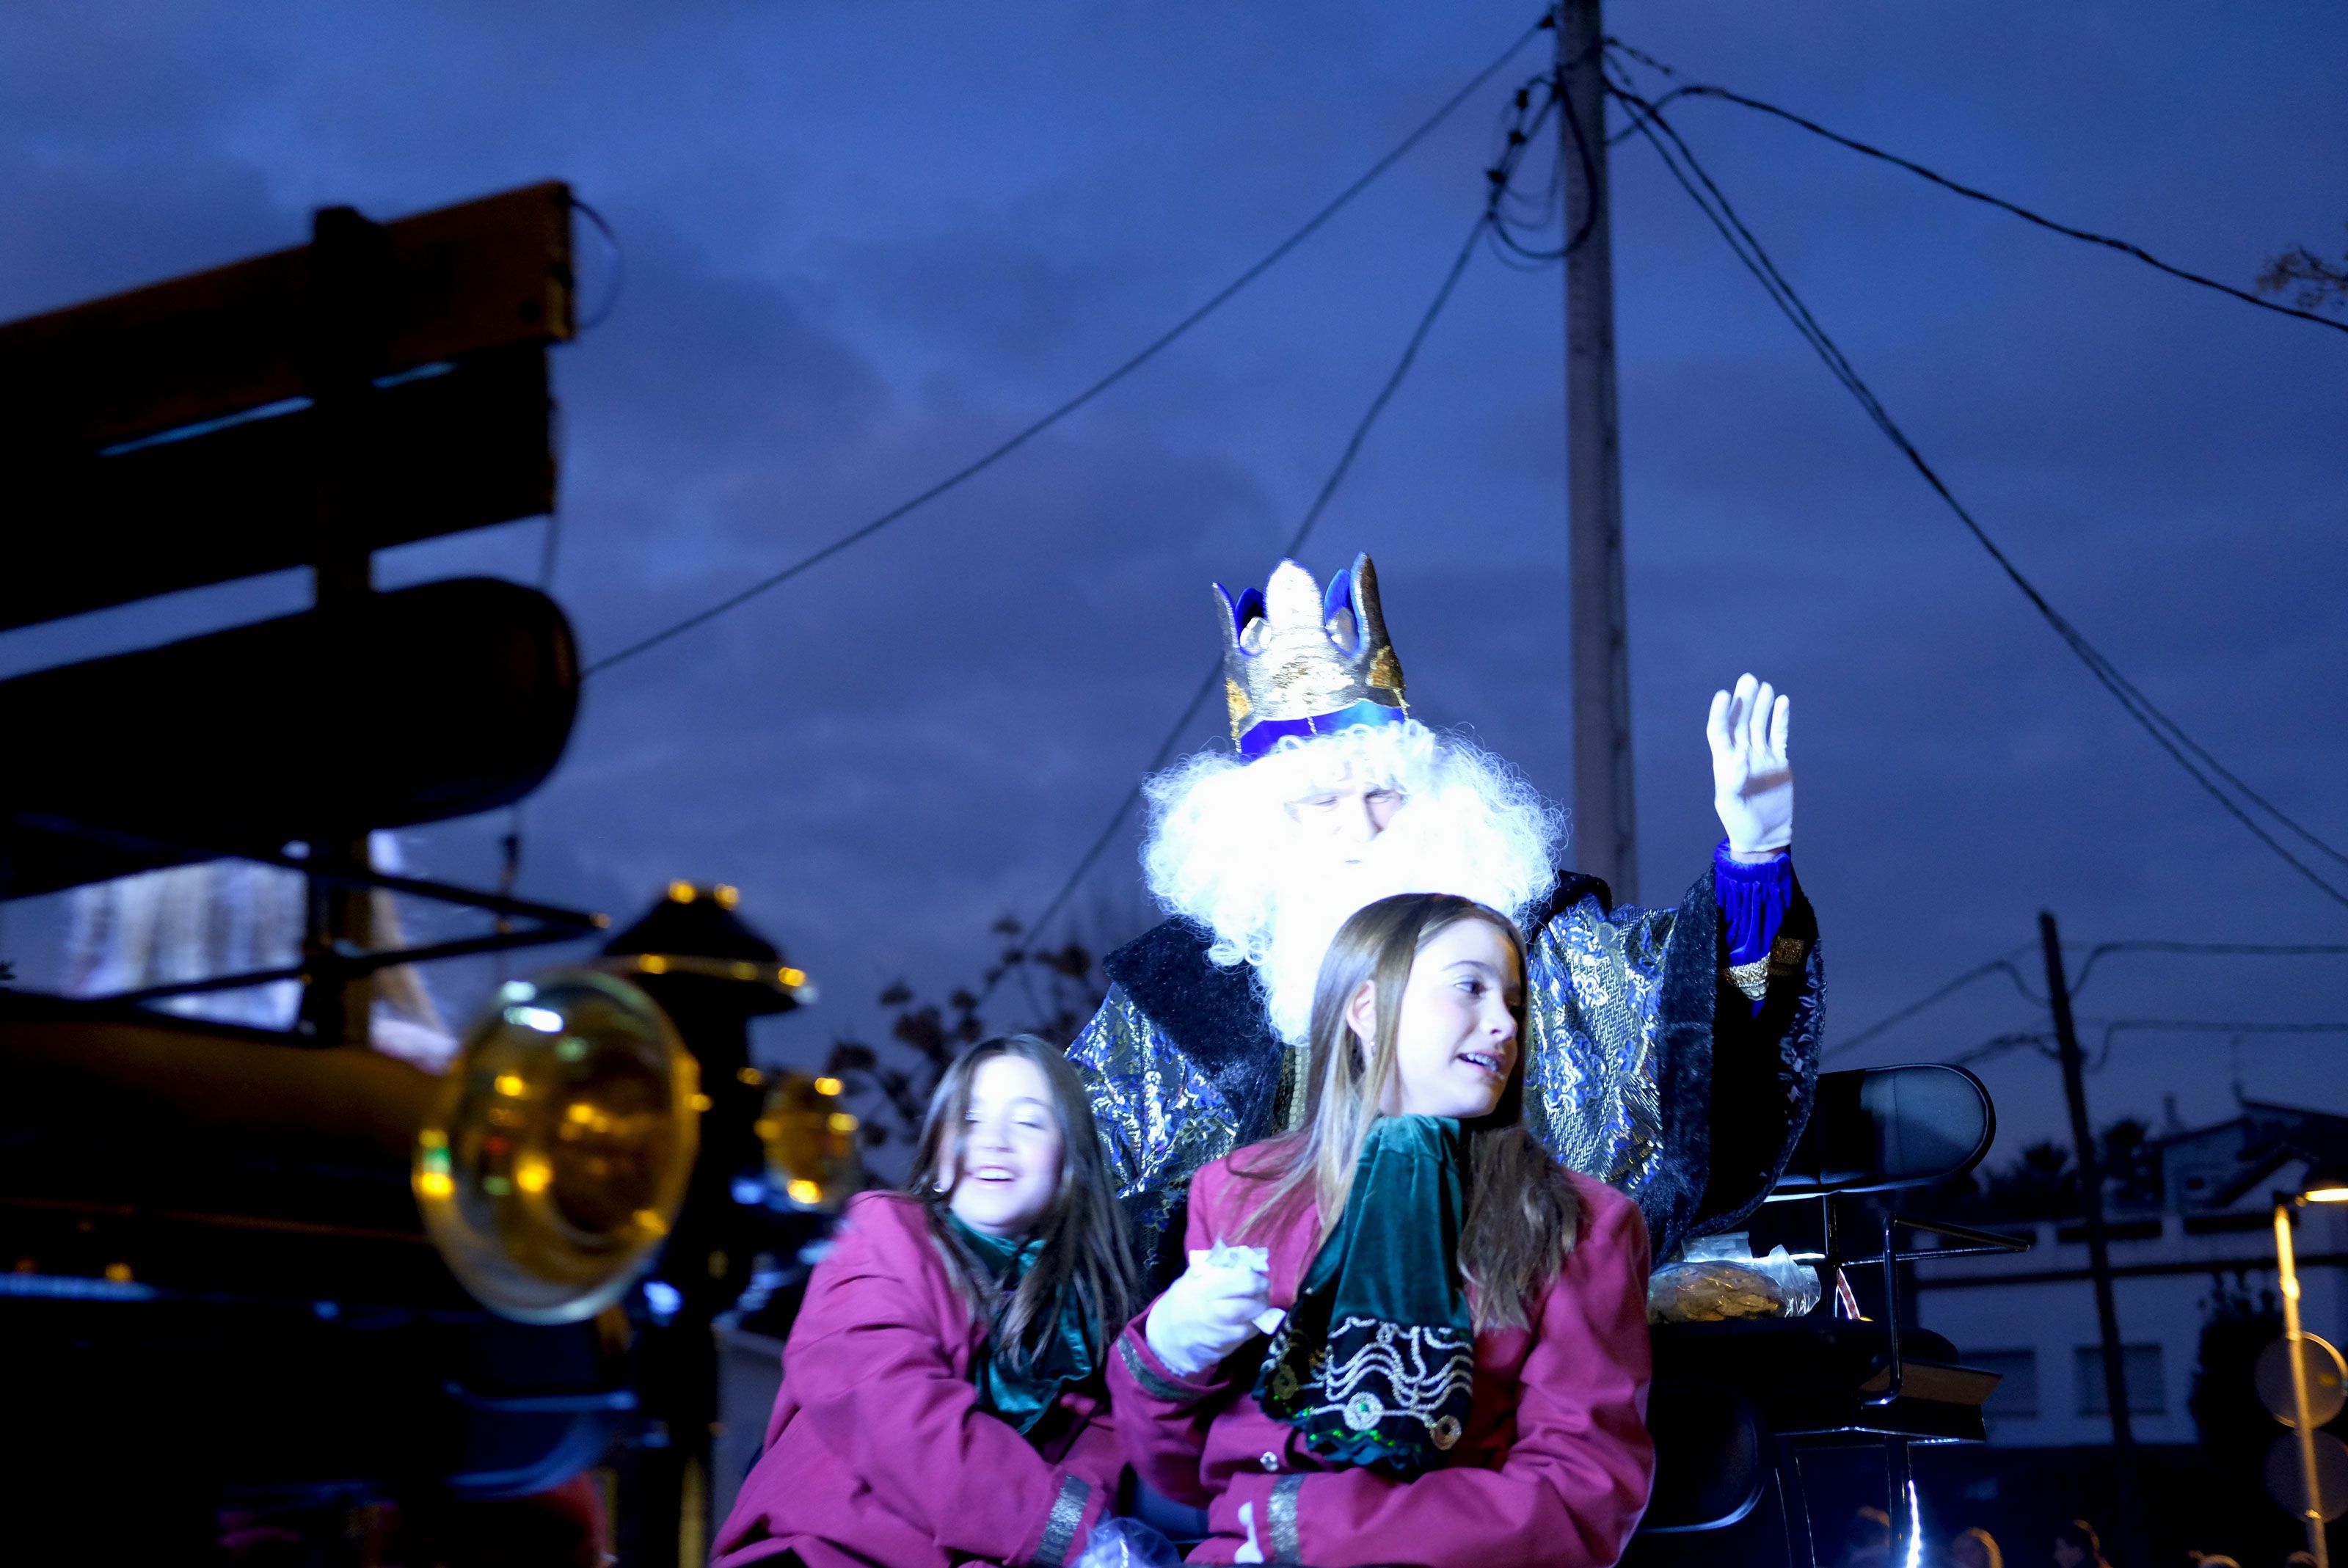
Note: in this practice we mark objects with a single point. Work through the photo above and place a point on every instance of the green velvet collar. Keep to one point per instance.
(1375, 1362)
(1017, 1389)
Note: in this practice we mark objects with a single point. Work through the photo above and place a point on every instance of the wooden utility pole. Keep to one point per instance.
(1605, 838)
(2090, 1167)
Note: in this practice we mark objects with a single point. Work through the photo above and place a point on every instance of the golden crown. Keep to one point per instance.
(1299, 660)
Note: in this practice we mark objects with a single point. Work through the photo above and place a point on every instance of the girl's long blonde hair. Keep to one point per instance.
(1522, 1215)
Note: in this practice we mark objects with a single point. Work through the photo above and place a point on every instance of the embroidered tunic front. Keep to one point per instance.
(1553, 1466)
(1639, 1022)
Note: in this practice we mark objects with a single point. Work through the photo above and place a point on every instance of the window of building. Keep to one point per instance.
(2017, 1390)
(2140, 1366)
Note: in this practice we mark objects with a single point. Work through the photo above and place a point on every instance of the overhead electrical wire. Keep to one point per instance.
(1312, 519)
(1521, 122)
(2218, 949)
(2166, 732)
(2207, 1027)
(1499, 181)
(2108, 241)
(1508, 209)
(589, 320)
(2079, 982)
(1983, 972)
(1998, 1046)
(1150, 351)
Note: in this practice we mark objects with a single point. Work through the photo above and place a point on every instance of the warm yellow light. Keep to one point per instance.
(432, 1138)
(651, 1222)
(533, 1175)
(2326, 1195)
(581, 1112)
(682, 893)
(653, 964)
(805, 1192)
(510, 1084)
(842, 1122)
(794, 978)
(728, 897)
(436, 1185)
(828, 1085)
(700, 1102)
(750, 1076)
(118, 1273)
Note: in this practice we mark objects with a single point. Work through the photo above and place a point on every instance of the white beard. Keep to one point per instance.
(1224, 851)
(1308, 910)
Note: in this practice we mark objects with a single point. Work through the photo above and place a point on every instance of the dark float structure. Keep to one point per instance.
(250, 1270)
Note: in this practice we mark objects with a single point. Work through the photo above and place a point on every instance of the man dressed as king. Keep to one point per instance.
(1670, 1052)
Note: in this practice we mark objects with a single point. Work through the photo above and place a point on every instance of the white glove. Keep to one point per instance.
(1209, 1311)
(1752, 781)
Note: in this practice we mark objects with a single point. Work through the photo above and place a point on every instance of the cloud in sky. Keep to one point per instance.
(864, 242)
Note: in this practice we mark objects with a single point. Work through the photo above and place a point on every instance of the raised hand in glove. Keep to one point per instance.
(1210, 1311)
(1752, 780)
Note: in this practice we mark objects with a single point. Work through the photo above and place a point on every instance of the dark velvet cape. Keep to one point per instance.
(1735, 1089)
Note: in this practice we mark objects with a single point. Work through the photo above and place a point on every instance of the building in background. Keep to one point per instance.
(2192, 1241)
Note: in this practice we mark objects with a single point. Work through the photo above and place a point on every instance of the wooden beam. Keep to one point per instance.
(443, 453)
(233, 740)
(480, 275)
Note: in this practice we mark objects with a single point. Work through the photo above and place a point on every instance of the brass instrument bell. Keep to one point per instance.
(813, 1158)
(553, 1161)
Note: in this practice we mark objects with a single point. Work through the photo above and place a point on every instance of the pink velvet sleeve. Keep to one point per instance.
(1576, 1479)
(1161, 1418)
(871, 1373)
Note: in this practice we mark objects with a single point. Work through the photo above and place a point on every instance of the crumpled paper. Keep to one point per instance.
(1256, 1262)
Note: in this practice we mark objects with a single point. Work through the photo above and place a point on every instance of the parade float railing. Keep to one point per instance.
(1736, 1403)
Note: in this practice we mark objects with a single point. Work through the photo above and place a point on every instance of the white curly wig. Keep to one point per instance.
(1224, 850)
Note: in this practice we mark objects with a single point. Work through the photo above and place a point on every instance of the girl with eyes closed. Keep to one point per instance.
(941, 1398)
(1461, 1376)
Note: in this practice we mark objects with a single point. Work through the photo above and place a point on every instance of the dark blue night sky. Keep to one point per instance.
(864, 241)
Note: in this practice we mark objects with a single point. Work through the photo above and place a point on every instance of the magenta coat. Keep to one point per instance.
(877, 1453)
(1553, 1468)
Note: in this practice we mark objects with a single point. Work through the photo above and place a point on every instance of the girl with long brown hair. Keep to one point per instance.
(1457, 1366)
(941, 1398)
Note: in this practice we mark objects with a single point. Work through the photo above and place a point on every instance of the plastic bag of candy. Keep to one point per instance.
(1716, 1278)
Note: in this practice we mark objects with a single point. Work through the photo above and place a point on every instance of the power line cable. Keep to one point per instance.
(1994, 966)
(2165, 731)
(2218, 949)
(2207, 1027)
(610, 300)
(2006, 967)
(2108, 241)
(2000, 1044)
(1642, 111)
(1520, 132)
(1164, 340)
(1521, 122)
(1312, 519)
